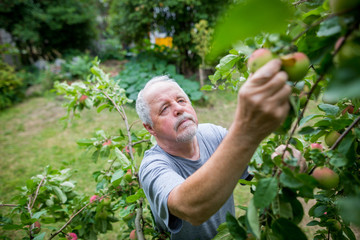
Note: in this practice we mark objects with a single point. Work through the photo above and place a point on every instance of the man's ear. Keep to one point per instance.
(149, 129)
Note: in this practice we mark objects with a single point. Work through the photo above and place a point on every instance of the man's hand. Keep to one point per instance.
(263, 102)
(294, 152)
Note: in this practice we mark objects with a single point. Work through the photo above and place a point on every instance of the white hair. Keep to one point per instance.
(142, 106)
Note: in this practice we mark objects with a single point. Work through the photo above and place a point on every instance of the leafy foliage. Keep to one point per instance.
(145, 66)
(11, 86)
(325, 37)
(44, 28)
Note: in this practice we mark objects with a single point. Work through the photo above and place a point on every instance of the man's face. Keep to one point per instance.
(174, 118)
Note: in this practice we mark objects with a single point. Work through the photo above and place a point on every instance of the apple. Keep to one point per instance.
(72, 236)
(329, 98)
(259, 58)
(133, 234)
(93, 198)
(334, 225)
(331, 138)
(326, 177)
(296, 65)
(82, 99)
(36, 227)
(338, 6)
(128, 175)
(106, 201)
(107, 142)
(316, 146)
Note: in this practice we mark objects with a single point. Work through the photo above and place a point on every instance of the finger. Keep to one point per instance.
(275, 84)
(282, 95)
(264, 73)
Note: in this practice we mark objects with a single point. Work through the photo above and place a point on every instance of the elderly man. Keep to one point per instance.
(189, 176)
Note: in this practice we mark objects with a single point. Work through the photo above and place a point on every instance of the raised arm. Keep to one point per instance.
(262, 107)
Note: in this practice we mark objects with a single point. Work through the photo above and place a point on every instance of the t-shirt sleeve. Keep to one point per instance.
(158, 179)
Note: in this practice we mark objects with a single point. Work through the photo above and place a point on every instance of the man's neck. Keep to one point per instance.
(189, 150)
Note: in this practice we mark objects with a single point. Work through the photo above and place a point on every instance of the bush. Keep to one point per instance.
(11, 86)
(110, 49)
(77, 68)
(145, 66)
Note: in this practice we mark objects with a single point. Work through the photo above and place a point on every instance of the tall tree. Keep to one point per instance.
(42, 28)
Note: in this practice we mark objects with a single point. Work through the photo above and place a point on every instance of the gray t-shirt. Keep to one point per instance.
(161, 172)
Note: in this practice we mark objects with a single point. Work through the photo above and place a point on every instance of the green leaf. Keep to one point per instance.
(85, 142)
(288, 180)
(270, 16)
(286, 229)
(245, 182)
(60, 194)
(308, 118)
(207, 88)
(329, 109)
(123, 159)
(253, 219)
(116, 177)
(223, 233)
(37, 215)
(266, 191)
(313, 223)
(329, 27)
(235, 229)
(226, 63)
(133, 198)
(41, 236)
(102, 107)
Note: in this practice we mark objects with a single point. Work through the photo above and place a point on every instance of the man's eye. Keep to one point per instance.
(164, 108)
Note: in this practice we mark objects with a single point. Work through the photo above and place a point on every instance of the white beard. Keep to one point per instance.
(189, 132)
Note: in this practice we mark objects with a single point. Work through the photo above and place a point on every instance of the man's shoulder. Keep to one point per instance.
(208, 129)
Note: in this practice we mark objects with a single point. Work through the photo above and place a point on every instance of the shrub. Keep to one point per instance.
(146, 66)
(11, 86)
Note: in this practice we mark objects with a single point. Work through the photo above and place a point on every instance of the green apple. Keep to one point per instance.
(326, 177)
(296, 65)
(259, 58)
(331, 138)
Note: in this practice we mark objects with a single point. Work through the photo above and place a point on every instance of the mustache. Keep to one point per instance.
(183, 117)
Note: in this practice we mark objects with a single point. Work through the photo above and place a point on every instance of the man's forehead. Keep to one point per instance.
(161, 90)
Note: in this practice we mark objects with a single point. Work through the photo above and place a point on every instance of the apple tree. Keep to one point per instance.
(318, 43)
(49, 206)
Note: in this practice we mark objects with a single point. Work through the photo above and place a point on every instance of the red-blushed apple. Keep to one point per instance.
(326, 177)
(82, 99)
(259, 58)
(93, 198)
(316, 146)
(36, 227)
(331, 138)
(338, 6)
(296, 65)
(133, 234)
(107, 142)
(71, 236)
(106, 201)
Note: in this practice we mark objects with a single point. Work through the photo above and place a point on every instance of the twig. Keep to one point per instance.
(37, 191)
(134, 123)
(299, 2)
(129, 135)
(342, 136)
(139, 232)
(141, 141)
(115, 105)
(69, 221)
(8, 205)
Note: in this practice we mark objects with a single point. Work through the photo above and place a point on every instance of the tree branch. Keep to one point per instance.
(356, 121)
(139, 232)
(69, 221)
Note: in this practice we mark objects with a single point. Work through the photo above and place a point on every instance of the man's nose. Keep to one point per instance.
(178, 109)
